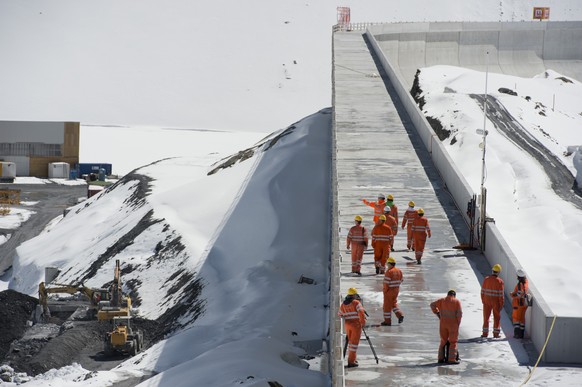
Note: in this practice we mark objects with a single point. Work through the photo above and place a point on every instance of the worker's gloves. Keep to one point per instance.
(438, 314)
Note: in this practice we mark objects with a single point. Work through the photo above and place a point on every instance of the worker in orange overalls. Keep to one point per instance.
(381, 242)
(493, 299)
(358, 241)
(409, 215)
(378, 206)
(420, 229)
(448, 310)
(393, 207)
(519, 302)
(392, 281)
(354, 315)
(393, 224)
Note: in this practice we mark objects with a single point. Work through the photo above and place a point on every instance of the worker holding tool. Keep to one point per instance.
(409, 215)
(358, 241)
(448, 310)
(381, 242)
(354, 315)
(493, 299)
(378, 206)
(392, 281)
(519, 302)
(420, 229)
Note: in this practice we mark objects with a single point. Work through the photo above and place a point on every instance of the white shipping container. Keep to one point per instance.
(7, 169)
(59, 170)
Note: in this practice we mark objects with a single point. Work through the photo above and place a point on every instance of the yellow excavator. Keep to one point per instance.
(95, 295)
(117, 305)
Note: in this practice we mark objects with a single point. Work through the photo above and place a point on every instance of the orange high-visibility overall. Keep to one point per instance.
(378, 208)
(393, 224)
(451, 313)
(392, 280)
(354, 316)
(393, 210)
(519, 304)
(420, 229)
(492, 298)
(381, 242)
(409, 215)
(358, 241)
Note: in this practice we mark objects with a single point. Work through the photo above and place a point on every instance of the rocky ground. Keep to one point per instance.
(65, 339)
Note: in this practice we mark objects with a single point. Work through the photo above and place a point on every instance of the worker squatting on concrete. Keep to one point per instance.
(492, 298)
(393, 224)
(393, 207)
(382, 243)
(378, 206)
(354, 315)
(420, 229)
(392, 280)
(519, 302)
(448, 310)
(358, 242)
(407, 219)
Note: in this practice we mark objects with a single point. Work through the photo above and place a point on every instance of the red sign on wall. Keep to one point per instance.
(541, 13)
(343, 16)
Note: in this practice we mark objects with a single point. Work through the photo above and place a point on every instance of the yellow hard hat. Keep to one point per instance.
(411, 203)
(390, 197)
(420, 211)
(352, 291)
(382, 217)
(392, 261)
(497, 268)
(358, 218)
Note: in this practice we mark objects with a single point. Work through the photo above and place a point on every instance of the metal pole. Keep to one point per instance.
(484, 139)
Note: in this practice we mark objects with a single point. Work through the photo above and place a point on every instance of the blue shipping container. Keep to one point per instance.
(88, 168)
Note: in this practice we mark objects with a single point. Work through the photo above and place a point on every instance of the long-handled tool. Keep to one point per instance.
(346, 346)
(371, 346)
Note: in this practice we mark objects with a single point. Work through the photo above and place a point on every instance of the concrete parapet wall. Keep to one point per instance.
(467, 43)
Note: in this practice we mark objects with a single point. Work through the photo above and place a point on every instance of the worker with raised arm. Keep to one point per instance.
(519, 302)
(392, 281)
(393, 207)
(420, 230)
(493, 299)
(358, 242)
(393, 224)
(382, 243)
(354, 315)
(378, 206)
(448, 310)
(407, 219)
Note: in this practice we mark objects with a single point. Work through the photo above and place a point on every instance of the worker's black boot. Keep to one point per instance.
(516, 332)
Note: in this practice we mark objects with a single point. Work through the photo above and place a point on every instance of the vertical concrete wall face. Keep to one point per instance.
(521, 49)
(33, 145)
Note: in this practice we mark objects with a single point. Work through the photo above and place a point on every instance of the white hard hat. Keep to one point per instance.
(520, 273)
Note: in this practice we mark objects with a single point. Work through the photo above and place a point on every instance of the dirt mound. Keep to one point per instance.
(16, 310)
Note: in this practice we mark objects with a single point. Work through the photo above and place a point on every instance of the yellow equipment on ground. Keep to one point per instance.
(123, 338)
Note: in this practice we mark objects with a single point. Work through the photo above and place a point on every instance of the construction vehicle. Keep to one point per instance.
(116, 304)
(123, 338)
(95, 295)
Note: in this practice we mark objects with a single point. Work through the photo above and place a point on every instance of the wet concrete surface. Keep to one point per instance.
(378, 152)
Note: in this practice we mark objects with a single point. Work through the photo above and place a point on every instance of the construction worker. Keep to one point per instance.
(492, 298)
(393, 224)
(448, 310)
(354, 315)
(378, 206)
(519, 302)
(420, 229)
(381, 242)
(358, 241)
(392, 281)
(409, 215)
(393, 207)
